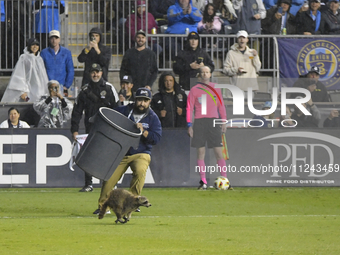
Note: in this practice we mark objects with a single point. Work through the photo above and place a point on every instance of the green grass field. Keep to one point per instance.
(180, 221)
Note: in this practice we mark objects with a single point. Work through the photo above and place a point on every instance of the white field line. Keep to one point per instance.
(190, 216)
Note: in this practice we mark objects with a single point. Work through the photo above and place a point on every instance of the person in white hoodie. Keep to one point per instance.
(242, 63)
(29, 77)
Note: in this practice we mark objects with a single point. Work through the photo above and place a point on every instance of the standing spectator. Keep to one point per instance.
(309, 120)
(311, 82)
(13, 120)
(333, 120)
(183, 15)
(203, 131)
(95, 52)
(29, 78)
(137, 21)
(330, 22)
(58, 62)
(189, 61)
(140, 63)
(242, 63)
(97, 93)
(54, 109)
(170, 102)
(159, 9)
(249, 13)
(279, 18)
(126, 95)
(308, 22)
(210, 24)
(137, 159)
(46, 18)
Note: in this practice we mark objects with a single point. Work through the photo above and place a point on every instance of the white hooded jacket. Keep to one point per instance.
(29, 75)
(235, 59)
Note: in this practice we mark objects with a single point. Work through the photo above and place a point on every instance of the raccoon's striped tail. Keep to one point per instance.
(102, 211)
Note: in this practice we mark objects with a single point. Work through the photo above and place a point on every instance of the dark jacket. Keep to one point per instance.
(141, 65)
(320, 94)
(159, 8)
(103, 59)
(307, 120)
(91, 97)
(150, 123)
(169, 102)
(330, 23)
(182, 63)
(272, 25)
(333, 123)
(305, 23)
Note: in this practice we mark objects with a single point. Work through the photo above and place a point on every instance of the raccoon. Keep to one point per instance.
(123, 203)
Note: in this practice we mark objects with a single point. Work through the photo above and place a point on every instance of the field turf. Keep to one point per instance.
(180, 221)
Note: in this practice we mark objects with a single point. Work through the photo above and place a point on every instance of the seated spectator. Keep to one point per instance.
(29, 77)
(189, 61)
(226, 8)
(278, 18)
(311, 82)
(263, 121)
(159, 9)
(139, 19)
(13, 120)
(183, 15)
(210, 24)
(126, 96)
(286, 120)
(308, 22)
(54, 109)
(330, 22)
(296, 5)
(307, 120)
(170, 102)
(333, 120)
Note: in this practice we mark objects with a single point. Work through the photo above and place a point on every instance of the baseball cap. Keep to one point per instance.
(140, 32)
(143, 92)
(317, 1)
(267, 104)
(32, 41)
(314, 69)
(140, 3)
(127, 79)
(193, 35)
(95, 67)
(242, 33)
(54, 33)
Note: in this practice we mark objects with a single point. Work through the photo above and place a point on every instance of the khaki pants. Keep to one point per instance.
(139, 164)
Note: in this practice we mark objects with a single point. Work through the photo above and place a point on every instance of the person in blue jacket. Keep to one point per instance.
(137, 159)
(58, 62)
(183, 15)
(46, 18)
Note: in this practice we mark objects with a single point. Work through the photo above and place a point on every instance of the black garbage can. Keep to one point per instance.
(111, 136)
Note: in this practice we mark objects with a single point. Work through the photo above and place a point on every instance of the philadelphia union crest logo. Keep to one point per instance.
(325, 55)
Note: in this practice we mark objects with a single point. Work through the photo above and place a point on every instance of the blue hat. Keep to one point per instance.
(267, 104)
(143, 93)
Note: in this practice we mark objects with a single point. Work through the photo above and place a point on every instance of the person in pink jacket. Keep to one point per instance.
(204, 105)
(137, 21)
(210, 24)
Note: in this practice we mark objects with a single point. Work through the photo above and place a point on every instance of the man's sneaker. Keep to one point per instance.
(87, 188)
(202, 186)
